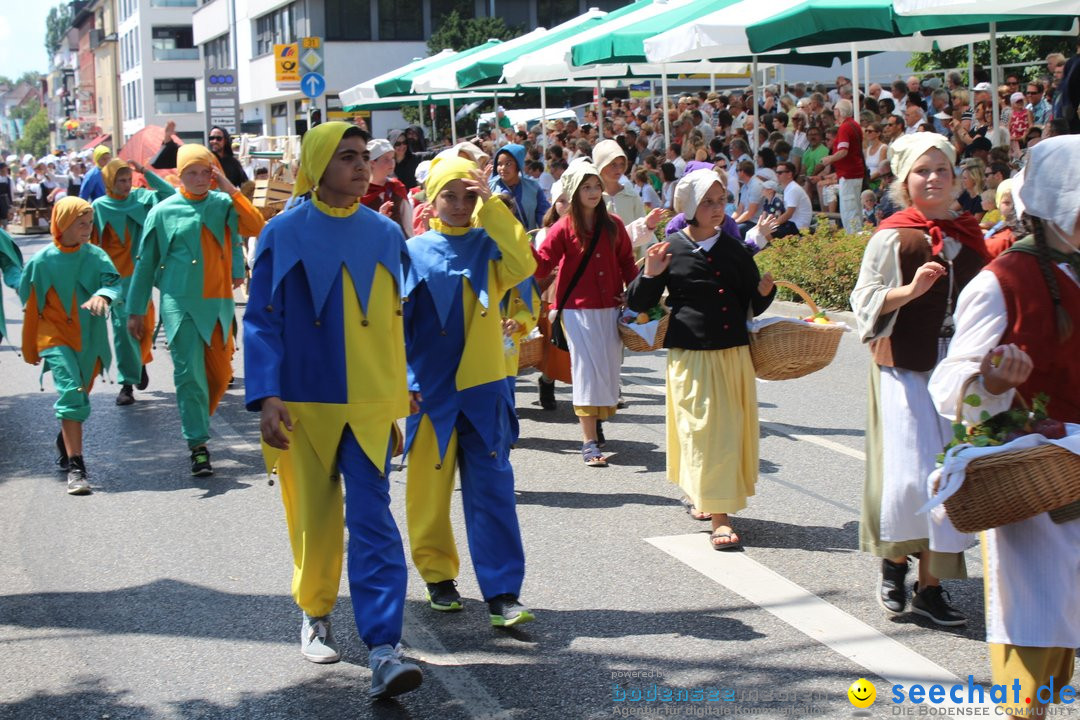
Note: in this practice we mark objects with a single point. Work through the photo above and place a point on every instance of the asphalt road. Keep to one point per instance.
(164, 596)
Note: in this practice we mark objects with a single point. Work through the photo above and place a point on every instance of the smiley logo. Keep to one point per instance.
(861, 693)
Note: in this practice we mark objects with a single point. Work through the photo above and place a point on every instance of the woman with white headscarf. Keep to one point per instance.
(1023, 309)
(912, 271)
(712, 422)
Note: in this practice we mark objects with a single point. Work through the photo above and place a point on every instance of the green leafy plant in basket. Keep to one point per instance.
(1006, 426)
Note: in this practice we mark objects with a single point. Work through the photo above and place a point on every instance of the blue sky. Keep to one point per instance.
(22, 36)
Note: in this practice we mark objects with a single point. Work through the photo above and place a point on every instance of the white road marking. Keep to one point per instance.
(451, 673)
(844, 634)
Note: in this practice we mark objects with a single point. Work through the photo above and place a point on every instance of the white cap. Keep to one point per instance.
(982, 87)
(379, 147)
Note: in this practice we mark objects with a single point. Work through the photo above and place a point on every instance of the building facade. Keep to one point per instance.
(104, 43)
(159, 67)
(363, 39)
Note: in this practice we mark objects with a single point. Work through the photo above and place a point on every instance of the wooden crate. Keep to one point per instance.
(271, 192)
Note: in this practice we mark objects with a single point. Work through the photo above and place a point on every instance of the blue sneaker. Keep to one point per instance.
(390, 674)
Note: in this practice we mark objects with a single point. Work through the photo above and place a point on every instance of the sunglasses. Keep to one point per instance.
(217, 137)
(783, 172)
(400, 144)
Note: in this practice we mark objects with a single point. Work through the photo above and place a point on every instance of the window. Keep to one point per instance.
(401, 20)
(217, 54)
(348, 19)
(275, 28)
(514, 13)
(173, 43)
(441, 8)
(550, 13)
(174, 96)
(172, 3)
(608, 5)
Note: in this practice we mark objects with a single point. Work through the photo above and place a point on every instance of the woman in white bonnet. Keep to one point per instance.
(913, 269)
(713, 283)
(1016, 329)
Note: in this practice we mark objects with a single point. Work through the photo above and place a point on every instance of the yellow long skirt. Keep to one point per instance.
(712, 427)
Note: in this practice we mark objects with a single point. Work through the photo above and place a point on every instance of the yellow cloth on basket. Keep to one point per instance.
(712, 427)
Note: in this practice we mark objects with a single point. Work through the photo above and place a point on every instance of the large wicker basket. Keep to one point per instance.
(788, 350)
(635, 343)
(1012, 486)
(531, 353)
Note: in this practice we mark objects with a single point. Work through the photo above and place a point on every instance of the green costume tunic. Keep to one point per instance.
(11, 263)
(75, 277)
(125, 219)
(177, 236)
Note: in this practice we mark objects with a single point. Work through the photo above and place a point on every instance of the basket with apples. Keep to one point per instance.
(644, 332)
(784, 349)
(1036, 470)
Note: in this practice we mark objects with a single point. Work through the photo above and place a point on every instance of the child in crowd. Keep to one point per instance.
(991, 214)
(66, 289)
(869, 208)
(1019, 122)
(474, 253)
(773, 202)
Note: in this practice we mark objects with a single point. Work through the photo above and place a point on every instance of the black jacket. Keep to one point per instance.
(709, 293)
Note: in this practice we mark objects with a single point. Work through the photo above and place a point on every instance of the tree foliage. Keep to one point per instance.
(57, 25)
(1019, 49)
(35, 137)
(460, 33)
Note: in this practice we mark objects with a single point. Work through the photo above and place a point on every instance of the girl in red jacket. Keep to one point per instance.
(590, 307)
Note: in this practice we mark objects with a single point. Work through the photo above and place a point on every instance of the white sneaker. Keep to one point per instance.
(390, 675)
(317, 640)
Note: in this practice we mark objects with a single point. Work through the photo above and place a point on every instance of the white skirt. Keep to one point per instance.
(913, 435)
(595, 355)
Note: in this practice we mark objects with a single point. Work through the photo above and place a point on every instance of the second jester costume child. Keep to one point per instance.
(192, 250)
(119, 216)
(325, 358)
(473, 255)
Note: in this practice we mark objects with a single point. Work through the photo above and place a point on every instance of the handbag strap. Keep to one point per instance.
(580, 268)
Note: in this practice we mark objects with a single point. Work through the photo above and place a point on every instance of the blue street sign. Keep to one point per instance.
(313, 84)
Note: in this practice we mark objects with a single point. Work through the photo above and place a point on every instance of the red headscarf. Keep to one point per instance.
(378, 194)
(963, 228)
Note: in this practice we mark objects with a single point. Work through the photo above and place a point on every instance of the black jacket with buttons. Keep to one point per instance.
(709, 293)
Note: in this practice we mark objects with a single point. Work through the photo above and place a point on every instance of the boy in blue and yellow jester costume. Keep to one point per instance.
(67, 288)
(192, 250)
(473, 255)
(119, 216)
(11, 265)
(325, 358)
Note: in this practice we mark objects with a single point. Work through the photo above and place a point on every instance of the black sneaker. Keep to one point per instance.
(932, 602)
(144, 381)
(62, 461)
(506, 611)
(126, 396)
(547, 394)
(443, 596)
(601, 441)
(892, 592)
(78, 481)
(200, 462)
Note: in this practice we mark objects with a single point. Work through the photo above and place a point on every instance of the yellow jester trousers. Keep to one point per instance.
(455, 346)
(323, 332)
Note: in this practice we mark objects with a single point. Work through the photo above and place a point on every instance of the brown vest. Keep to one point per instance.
(1031, 327)
(913, 344)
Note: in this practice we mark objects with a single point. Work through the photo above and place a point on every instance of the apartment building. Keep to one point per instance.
(363, 39)
(159, 67)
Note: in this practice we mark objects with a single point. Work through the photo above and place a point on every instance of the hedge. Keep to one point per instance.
(824, 263)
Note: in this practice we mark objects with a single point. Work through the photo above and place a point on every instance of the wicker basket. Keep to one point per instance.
(788, 350)
(1012, 486)
(531, 353)
(635, 343)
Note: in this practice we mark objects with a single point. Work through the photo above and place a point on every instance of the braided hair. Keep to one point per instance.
(1061, 317)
